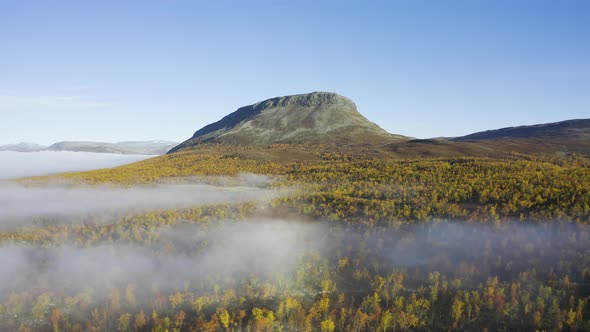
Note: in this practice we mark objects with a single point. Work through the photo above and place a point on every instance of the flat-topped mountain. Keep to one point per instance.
(570, 129)
(317, 117)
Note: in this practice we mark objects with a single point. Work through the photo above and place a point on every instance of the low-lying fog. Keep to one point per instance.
(23, 205)
(233, 250)
(269, 247)
(22, 164)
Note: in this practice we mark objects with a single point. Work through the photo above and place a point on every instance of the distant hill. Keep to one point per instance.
(568, 130)
(317, 117)
(131, 147)
(23, 147)
(571, 136)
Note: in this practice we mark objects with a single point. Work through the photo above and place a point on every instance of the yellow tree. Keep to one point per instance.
(457, 310)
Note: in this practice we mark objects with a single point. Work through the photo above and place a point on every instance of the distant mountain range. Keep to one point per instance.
(324, 118)
(131, 147)
(23, 147)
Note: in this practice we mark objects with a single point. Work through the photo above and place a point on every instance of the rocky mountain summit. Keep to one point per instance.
(317, 117)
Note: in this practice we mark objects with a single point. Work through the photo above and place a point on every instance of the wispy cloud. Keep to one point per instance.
(79, 87)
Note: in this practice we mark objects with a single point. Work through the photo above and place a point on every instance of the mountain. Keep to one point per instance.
(23, 147)
(131, 147)
(564, 130)
(317, 118)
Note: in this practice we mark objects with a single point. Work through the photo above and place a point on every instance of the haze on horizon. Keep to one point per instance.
(24, 164)
(112, 71)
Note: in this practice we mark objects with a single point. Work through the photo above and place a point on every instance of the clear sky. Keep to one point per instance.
(138, 70)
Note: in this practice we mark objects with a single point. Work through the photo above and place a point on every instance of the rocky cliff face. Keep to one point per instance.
(318, 117)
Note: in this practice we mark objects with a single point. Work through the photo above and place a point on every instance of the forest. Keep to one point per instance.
(339, 242)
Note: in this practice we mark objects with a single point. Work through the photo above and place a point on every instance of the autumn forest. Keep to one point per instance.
(341, 242)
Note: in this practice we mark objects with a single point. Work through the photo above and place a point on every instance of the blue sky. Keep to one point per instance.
(136, 70)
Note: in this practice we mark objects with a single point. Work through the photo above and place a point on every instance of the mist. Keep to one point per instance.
(23, 164)
(200, 256)
(63, 203)
(227, 251)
